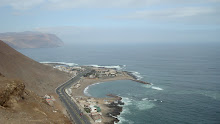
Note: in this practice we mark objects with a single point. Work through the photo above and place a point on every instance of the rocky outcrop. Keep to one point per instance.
(116, 109)
(11, 92)
(1, 75)
(30, 40)
(21, 106)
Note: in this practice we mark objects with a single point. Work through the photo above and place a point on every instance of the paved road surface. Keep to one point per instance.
(71, 106)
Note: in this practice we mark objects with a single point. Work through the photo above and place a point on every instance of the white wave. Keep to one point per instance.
(137, 75)
(122, 120)
(113, 116)
(96, 84)
(146, 86)
(126, 110)
(86, 91)
(87, 88)
(144, 99)
(63, 63)
(144, 105)
(153, 87)
(118, 67)
(156, 88)
(127, 101)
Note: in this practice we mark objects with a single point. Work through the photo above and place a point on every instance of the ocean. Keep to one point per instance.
(185, 78)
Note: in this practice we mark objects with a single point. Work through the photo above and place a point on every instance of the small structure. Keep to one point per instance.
(92, 76)
(93, 109)
(112, 72)
(76, 86)
(97, 117)
(49, 99)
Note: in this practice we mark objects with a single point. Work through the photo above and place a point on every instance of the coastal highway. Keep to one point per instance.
(72, 108)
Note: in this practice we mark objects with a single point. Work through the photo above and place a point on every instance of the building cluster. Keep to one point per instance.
(102, 72)
(90, 105)
(73, 71)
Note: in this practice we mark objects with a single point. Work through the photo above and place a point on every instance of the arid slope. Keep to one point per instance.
(21, 106)
(37, 77)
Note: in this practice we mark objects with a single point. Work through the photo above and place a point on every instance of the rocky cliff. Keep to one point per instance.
(30, 40)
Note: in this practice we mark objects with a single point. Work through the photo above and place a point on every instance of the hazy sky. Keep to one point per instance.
(115, 21)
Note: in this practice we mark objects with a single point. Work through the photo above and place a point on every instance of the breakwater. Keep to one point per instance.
(136, 79)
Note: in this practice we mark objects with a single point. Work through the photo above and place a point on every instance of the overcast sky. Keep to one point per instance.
(115, 21)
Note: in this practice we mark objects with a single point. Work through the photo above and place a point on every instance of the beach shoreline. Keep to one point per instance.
(110, 106)
(111, 110)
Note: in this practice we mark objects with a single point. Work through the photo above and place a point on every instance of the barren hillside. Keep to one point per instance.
(37, 77)
(21, 106)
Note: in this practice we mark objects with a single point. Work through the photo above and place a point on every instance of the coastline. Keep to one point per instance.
(114, 108)
(111, 106)
(109, 111)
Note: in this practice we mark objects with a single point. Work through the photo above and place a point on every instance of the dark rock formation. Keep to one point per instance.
(11, 92)
(115, 111)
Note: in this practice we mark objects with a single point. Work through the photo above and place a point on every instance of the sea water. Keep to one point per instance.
(185, 77)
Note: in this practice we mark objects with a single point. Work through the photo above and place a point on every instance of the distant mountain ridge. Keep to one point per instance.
(31, 39)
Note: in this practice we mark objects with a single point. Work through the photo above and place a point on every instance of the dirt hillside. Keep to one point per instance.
(37, 77)
(21, 106)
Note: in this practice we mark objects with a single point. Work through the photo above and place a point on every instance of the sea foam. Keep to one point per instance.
(118, 67)
(122, 120)
(127, 101)
(87, 88)
(144, 105)
(152, 87)
(86, 91)
(156, 88)
(63, 63)
(137, 75)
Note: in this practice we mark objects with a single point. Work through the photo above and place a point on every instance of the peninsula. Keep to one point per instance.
(101, 110)
(30, 39)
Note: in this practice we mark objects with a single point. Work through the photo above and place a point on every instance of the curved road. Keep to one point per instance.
(71, 106)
